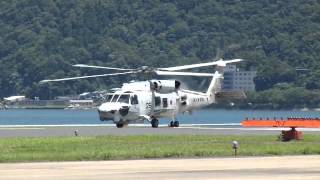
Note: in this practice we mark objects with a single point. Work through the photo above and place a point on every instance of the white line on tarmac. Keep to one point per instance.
(251, 129)
(234, 128)
(56, 125)
(182, 126)
(22, 128)
(221, 124)
(107, 125)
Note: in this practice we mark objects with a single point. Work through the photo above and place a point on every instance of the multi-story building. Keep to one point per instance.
(235, 80)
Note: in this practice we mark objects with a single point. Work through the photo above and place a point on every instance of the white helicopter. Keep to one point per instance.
(154, 99)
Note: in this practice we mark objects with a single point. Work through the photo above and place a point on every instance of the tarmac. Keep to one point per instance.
(136, 129)
(275, 168)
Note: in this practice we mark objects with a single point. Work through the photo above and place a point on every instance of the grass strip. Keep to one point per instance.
(148, 146)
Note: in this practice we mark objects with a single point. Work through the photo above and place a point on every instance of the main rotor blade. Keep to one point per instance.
(84, 77)
(170, 73)
(222, 62)
(218, 63)
(101, 67)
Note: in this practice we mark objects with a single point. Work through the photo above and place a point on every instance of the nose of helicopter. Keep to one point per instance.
(107, 111)
(108, 107)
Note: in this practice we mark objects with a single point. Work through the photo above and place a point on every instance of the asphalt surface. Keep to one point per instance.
(275, 168)
(97, 130)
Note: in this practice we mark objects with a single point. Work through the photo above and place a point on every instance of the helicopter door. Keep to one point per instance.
(134, 103)
(145, 104)
(157, 103)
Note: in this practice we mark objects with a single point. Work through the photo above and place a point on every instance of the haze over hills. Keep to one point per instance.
(41, 39)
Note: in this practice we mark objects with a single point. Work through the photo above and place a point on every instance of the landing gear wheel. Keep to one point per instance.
(154, 123)
(176, 124)
(171, 124)
(119, 125)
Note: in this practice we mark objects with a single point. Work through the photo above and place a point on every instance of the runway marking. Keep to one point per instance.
(251, 129)
(22, 128)
(54, 125)
(233, 128)
(220, 124)
(182, 126)
(108, 125)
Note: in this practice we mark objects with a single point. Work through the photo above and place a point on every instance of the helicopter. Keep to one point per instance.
(139, 101)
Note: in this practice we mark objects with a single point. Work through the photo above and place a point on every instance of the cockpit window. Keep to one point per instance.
(109, 97)
(124, 98)
(134, 99)
(115, 97)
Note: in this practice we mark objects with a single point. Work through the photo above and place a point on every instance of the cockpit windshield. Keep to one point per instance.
(109, 97)
(124, 98)
(115, 97)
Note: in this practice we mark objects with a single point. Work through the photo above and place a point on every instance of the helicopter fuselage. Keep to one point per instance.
(153, 99)
(138, 101)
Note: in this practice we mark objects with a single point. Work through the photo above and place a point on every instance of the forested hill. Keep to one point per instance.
(41, 39)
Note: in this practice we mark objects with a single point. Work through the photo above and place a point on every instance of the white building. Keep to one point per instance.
(235, 80)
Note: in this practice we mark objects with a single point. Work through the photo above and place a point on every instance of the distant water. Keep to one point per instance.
(57, 117)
